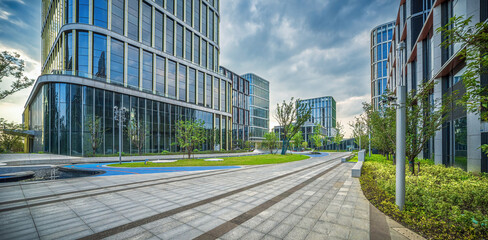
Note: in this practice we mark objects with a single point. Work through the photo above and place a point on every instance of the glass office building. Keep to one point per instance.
(240, 108)
(158, 59)
(323, 113)
(380, 46)
(258, 106)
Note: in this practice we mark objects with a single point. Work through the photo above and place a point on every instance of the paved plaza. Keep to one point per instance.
(310, 199)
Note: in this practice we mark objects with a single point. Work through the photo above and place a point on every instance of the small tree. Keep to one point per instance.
(359, 130)
(317, 136)
(291, 116)
(270, 141)
(95, 127)
(10, 142)
(474, 38)
(382, 124)
(339, 135)
(297, 139)
(12, 66)
(304, 144)
(190, 134)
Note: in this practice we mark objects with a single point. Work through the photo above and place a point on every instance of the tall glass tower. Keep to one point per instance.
(258, 106)
(158, 59)
(323, 113)
(380, 46)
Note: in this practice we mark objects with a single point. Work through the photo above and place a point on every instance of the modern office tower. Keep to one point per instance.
(424, 60)
(258, 106)
(323, 113)
(380, 46)
(157, 59)
(307, 132)
(240, 108)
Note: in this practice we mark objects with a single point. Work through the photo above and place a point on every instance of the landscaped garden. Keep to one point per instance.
(440, 202)
(229, 161)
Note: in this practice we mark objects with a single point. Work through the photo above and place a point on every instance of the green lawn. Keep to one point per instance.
(230, 161)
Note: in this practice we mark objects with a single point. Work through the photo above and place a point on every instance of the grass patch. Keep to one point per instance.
(229, 161)
(354, 159)
(440, 202)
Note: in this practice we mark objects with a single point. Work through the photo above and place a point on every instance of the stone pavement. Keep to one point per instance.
(311, 199)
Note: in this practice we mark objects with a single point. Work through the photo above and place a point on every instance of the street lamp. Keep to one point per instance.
(400, 131)
(119, 115)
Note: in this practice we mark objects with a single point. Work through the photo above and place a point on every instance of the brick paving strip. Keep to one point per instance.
(152, 183)
(229, 225)
(137, 223)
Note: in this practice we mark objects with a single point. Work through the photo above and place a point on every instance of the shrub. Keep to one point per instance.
(440, 202)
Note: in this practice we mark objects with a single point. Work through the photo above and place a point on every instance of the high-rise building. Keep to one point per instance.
(157, 59)
(380, 46)
(258, 106)
(323, 113)
(424, 60)
(240, 108)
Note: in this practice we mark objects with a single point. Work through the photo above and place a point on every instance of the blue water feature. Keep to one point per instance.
(322, 154)
(110, 171)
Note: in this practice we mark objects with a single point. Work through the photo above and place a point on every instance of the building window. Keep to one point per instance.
(147, 68)
(158, 30)
(117, 61)
(82, 13)
(192, 85)
(99, 56)
(210, 57)
(182, 83)
(160, 3)
(196, 49)
(179, 40)
(179, 9)
(69, 52)
(188, 10)
(100, 13)
(170, 6)
(196, 15)
(171, 79)
(69, 11)
(216, 93)
(82, 54)
(188, 45)
(133, 67)
(160, 63)
(169, 36)
(133, 28)
(211, 25)
(222, 95)
(204, 53)
(208, 91)
(118, 16)
(201, 87)
(204, 20)
(146, 24)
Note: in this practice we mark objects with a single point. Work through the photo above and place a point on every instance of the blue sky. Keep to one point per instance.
(305, 49)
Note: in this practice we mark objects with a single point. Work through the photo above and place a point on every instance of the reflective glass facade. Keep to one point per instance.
(148, 47)
(323, 113)
(258, 106)
(380, 46)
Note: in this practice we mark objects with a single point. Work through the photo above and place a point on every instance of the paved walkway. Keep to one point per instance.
(311, 199)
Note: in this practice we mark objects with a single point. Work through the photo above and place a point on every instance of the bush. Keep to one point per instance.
(440, 202)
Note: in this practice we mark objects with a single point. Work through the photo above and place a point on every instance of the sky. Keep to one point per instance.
(305, 49)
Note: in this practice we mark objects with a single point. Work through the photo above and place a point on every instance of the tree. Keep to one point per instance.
(423, 119)
(338, 135)
(136, 131)
(359, 131)
(10, 142)
(270, 141)
(291, 117)
(95, 127)
(317, 136)
(304, 144)
(382, 124)
(474, 40)
(12, 66)
(297, 139)
(190, 134)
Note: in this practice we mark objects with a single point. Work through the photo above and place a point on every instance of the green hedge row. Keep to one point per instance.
(440, 202)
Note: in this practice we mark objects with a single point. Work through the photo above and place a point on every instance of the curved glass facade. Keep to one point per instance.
(380, 46)
(164, 48)
(323, 113)
(258, 106)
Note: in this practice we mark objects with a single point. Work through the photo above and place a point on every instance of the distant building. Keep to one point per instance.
(258, 107)
(240, 107)
(307, 132)
(380, 46)
(323, 113)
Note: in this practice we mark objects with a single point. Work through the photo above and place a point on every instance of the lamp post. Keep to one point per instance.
(119, 115)
(400, 131)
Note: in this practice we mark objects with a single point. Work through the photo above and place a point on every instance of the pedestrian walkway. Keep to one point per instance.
(310, 199)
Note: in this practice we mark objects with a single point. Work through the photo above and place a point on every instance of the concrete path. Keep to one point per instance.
(311, 199)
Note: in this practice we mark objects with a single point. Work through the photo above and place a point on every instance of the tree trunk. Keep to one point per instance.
(285, 146)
